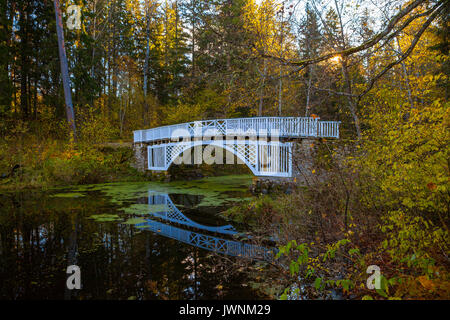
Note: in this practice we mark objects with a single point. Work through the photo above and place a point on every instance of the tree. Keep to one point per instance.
(310, 44)
(64, 69)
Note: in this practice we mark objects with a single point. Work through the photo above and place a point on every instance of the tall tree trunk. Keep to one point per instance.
(405, 75)
(352, 105)
(261, 92)
(64, 69)
(193, 23)
(280, 93)
(109, 58)
(35, 98)
(25, 65)
(94, 37)
(308, 90)
(147, 58)
(115, 52)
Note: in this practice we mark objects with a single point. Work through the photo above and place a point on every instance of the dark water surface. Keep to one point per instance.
(130, 240)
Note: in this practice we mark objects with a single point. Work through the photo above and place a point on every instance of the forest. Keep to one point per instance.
(380, 67)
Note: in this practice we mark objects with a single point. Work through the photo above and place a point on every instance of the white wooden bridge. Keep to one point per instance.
(264, 144)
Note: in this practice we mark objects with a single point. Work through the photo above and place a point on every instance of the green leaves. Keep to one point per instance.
(302, 248)
(294, 267)
(384, 287)
(331, 252)
(354, 251)
(346, 284)
(306, 266)
(318, 283)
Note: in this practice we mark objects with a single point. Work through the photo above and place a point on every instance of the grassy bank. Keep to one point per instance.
(30, 163)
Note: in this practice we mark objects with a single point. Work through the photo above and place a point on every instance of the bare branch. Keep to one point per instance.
(340, 93)
(368, 44)
(405, 54)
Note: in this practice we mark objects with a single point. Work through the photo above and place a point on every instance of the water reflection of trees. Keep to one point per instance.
(40, 235)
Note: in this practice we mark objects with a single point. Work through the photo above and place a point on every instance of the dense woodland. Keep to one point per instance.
(380, 67)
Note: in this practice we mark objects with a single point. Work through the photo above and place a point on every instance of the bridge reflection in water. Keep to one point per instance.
(170, 213)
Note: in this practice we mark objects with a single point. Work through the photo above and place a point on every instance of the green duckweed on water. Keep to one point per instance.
(105, 217)
(211, 191)
(215, 191)
(144, 209)
(134, 221)
(68, 195)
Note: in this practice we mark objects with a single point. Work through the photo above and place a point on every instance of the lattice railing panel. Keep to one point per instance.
(247, 152)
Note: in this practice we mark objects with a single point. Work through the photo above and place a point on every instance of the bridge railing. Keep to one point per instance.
(262, 126)
(208, 242)
(327, 129)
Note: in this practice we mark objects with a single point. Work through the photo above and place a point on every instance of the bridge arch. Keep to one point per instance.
(172, 214)
(161, 157)
(250, 162)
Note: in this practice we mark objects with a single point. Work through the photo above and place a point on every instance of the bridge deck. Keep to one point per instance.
(283, 127)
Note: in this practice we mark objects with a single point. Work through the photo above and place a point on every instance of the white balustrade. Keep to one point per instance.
(284, 127)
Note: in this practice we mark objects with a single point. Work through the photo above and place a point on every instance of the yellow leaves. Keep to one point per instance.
(69, 154)
(407, 157)
(431, 186)
(426, 283)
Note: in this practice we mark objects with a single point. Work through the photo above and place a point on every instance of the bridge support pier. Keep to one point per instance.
(303, 154)
(140, 156)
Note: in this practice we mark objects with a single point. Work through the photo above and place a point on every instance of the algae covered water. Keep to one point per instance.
(143, 240)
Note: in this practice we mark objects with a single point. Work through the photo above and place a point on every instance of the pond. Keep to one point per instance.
(144, 240)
